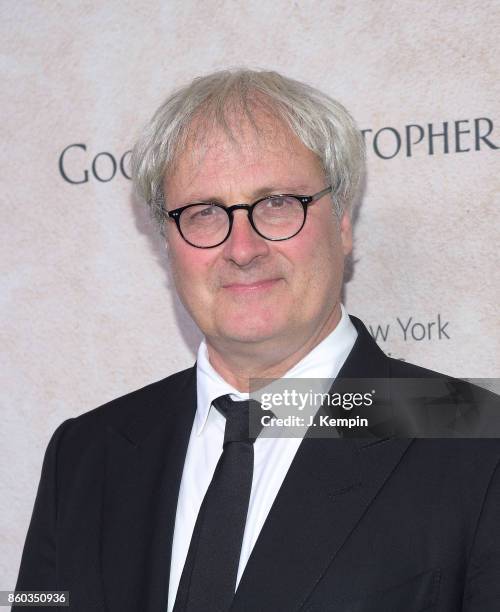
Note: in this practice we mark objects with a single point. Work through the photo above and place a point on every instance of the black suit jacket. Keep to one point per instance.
(359, 525)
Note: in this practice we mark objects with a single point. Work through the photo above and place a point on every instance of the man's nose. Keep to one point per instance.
(244, 244)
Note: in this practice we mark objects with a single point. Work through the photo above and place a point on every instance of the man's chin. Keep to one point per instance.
(251, 333)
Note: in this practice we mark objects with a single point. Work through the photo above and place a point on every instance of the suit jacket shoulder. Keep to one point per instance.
(102, 473)
(154, 397)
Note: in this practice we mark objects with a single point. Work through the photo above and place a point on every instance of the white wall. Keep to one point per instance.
(88, 310)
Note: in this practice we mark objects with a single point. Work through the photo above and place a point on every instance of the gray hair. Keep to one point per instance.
(321, 123)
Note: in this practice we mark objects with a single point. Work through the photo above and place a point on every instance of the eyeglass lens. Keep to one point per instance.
(275, 218)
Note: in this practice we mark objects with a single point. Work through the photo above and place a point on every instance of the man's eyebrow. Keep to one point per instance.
(269, 190)
(258, 193)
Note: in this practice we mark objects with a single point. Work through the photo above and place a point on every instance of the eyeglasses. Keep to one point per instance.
(276, 217)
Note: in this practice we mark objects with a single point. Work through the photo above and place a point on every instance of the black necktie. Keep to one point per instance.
(208, 580)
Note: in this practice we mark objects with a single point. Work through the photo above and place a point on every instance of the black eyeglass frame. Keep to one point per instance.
(306, 201)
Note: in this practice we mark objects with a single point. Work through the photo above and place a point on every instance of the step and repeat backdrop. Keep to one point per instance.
(89, 311)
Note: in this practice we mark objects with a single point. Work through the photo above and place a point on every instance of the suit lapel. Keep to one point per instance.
(143, 468)
(328, 488)
(326, 492)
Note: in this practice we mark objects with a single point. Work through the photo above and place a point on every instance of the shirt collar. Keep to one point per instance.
(324, 361)
(210, 385)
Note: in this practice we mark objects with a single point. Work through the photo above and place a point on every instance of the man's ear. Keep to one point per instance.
(346, 233)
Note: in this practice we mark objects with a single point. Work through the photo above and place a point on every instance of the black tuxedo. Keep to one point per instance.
(359, 525)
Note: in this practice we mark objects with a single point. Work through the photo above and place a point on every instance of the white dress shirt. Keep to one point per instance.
(272, 456)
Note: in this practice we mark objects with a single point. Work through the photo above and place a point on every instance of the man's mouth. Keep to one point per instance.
(253, 286)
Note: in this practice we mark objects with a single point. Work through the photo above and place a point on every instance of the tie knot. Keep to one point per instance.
(239, 415)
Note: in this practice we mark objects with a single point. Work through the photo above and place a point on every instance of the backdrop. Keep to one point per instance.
(88, 308)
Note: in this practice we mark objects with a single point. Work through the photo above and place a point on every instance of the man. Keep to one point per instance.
(162, 499)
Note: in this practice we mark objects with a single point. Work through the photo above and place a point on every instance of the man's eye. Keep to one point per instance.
(203, 213)
(208, 212)
(276, 202)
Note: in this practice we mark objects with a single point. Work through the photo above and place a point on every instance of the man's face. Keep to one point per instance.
(274, 296)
